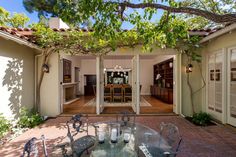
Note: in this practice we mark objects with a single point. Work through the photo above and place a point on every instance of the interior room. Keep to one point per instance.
(156, 84)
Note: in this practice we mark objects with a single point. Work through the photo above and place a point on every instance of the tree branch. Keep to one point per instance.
(198, 12)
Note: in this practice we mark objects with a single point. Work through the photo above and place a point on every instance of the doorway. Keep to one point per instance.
(135, 72)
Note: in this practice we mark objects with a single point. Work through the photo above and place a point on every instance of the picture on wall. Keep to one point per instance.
(66, 71)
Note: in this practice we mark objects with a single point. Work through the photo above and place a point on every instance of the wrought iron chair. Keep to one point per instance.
(80, 145)
(127, 93)
(108, 93)
(126, 117)
(170, 136)
(31, 148)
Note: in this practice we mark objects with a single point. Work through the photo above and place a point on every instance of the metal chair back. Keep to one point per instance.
(126, 117)
(74, 126)
(31, 148)
(170, 135)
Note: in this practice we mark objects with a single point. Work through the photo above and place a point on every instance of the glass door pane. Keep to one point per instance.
(233, 84)
(211, 82)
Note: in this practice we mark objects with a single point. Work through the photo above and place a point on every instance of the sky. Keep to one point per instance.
(17, 6)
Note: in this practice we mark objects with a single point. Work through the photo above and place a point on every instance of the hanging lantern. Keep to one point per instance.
(189, 68)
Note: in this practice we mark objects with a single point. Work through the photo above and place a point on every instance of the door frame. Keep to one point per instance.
(229, 119)
(177, 94)
(136, 84)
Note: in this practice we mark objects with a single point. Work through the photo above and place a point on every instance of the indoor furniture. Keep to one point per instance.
(117, 92)
(162, 87)
(127, 93)
(108, 93)
(90, 82)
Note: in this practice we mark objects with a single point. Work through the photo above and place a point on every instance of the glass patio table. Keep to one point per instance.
(143, 141)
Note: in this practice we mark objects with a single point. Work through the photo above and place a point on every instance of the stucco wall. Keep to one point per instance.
(50, 89)
(16, 77)
(222, 43)
(196, 83)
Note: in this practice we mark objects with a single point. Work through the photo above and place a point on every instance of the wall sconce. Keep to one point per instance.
(189, 68)
(45, 68)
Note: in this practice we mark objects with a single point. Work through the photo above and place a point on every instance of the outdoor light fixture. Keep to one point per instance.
(45, 68)
(189, 68)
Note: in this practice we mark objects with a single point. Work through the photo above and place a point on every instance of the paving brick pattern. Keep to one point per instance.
(211, 141)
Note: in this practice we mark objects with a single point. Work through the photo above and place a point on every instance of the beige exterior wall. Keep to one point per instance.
(222, 43)
(50, 88)
(17, 86)
(196, 83)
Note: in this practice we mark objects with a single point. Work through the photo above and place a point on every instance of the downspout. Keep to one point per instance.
(219, 33)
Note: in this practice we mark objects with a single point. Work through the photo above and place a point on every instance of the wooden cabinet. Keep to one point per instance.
(162, 87)
(89, 87)
(163, 94)
(163, 74)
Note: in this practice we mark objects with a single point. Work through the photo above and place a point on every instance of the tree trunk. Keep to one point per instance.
(47, 53)
(191, 94)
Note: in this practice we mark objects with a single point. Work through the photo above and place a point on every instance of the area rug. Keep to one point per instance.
(143, 102)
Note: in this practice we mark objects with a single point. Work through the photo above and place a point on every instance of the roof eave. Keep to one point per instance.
(219, 33)
(19, 40)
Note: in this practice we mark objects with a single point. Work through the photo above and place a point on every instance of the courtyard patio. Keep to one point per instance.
(211, 141)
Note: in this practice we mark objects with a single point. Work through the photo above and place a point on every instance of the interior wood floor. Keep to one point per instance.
(158, 107)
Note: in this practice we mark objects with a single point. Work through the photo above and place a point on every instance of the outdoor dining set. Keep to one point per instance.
(122, 137)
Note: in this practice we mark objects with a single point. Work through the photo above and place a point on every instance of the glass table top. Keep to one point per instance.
(141, 135)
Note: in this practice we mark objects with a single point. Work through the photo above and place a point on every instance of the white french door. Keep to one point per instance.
(215, 85)
(100, 84)
(135, 84)
(231, 107)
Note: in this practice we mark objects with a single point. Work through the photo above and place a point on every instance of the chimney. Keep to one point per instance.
(55, 22)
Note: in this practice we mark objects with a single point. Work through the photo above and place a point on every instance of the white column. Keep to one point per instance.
(98, 85)
(137, 84)
(177, 107)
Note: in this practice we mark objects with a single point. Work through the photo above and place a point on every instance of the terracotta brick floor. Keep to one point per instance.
(212, 141)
